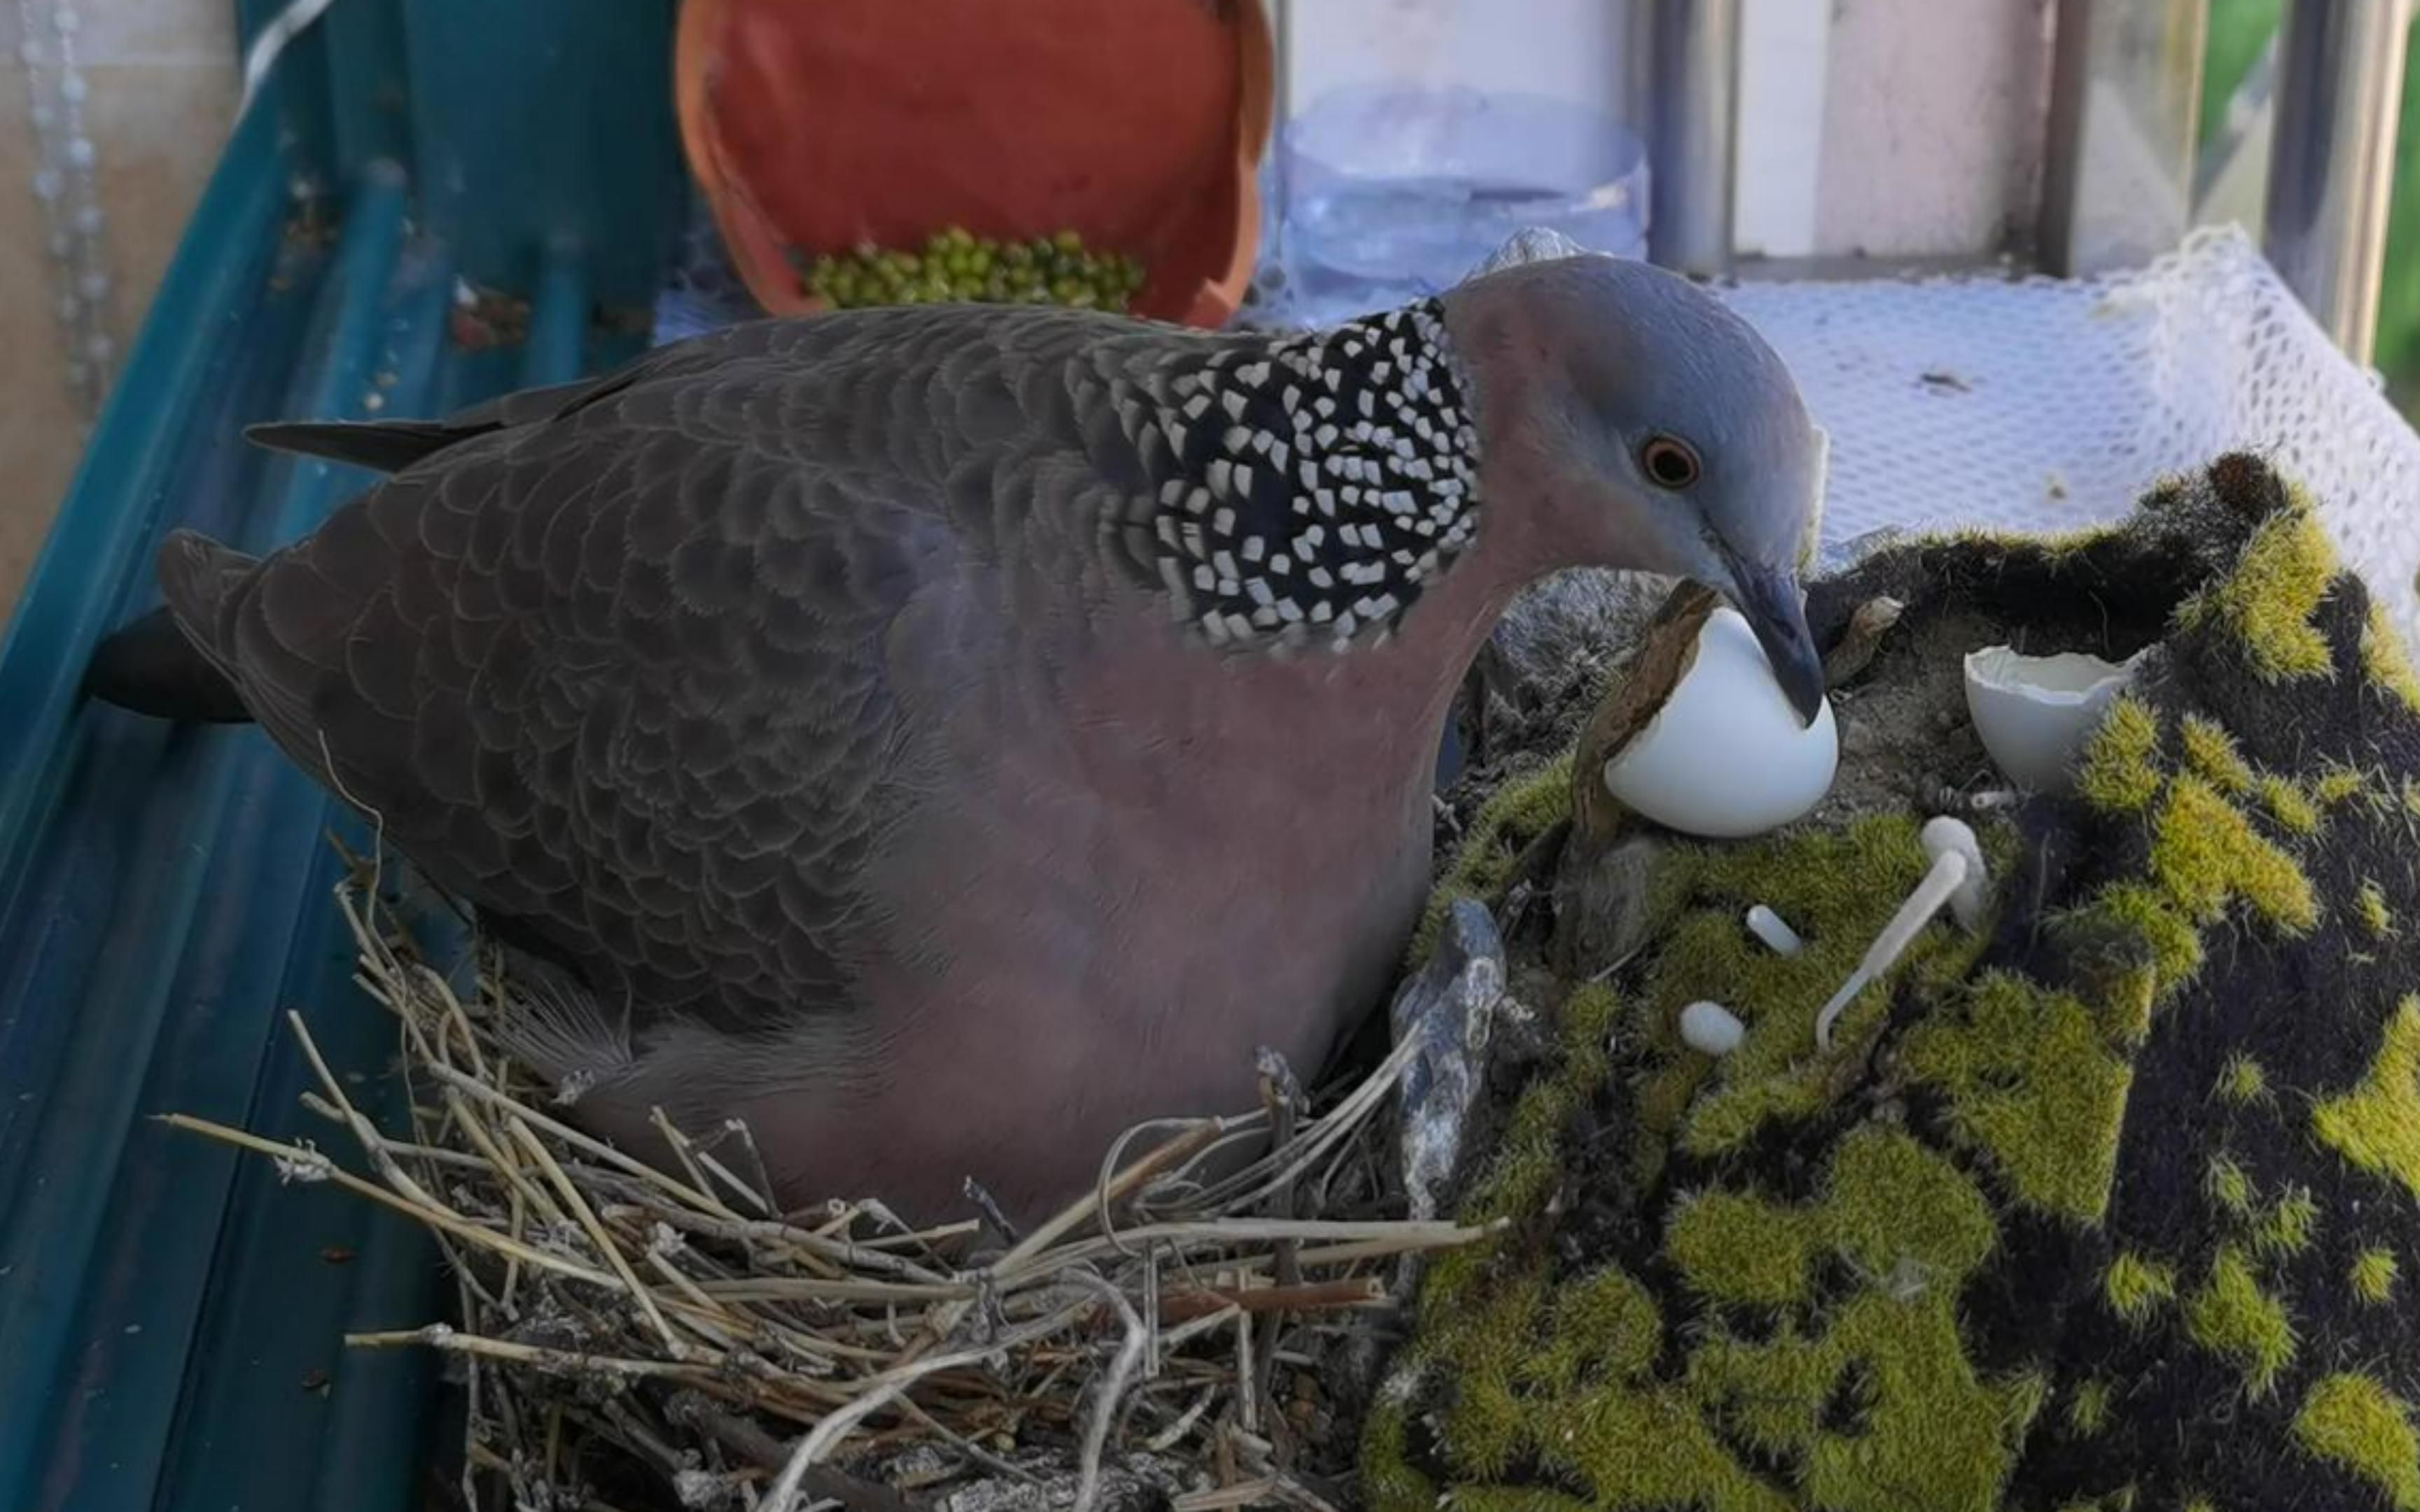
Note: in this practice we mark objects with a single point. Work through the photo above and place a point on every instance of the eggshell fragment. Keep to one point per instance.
(1724, 756)
(2034, 713)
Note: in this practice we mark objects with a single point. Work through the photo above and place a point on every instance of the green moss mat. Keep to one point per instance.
(2110, 1204)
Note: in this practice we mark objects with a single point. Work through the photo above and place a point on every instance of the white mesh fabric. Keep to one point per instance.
(2044, 405)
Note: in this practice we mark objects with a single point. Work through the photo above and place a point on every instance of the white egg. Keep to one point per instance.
(1726, 756)
(2035, 714)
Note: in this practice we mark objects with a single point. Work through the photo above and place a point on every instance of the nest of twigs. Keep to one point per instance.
(630, 1337)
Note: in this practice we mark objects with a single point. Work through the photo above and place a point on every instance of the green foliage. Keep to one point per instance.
(2356, 1422)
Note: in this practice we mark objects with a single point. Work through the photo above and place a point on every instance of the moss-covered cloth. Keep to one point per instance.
(2113, 1204)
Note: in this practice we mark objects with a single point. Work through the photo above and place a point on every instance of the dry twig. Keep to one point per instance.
(716, 1326)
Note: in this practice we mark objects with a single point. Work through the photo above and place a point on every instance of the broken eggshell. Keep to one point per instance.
(2034, 713)
(1703, 739)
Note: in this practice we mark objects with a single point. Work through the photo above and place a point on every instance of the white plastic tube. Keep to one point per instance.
(1778, 935)
(1948, 873)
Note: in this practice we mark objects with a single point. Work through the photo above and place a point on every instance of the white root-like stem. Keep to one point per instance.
(1970, 902)
(1947, 874)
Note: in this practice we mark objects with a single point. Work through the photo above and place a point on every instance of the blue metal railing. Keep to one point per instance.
(171, 1315)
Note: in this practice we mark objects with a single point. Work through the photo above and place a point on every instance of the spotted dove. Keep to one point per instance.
(944, 738)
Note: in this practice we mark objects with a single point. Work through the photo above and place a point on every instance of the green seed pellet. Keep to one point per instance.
(956, 266)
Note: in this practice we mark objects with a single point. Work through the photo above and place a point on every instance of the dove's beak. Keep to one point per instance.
(1769, 601)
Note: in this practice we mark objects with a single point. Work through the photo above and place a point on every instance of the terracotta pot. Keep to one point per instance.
(815, 125)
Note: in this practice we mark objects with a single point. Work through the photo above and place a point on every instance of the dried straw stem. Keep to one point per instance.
(837, 1333)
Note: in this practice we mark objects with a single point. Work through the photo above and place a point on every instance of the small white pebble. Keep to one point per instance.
(1711, 1030)
(1768, 926)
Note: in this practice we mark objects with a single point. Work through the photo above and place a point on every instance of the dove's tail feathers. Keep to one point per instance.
(392, 445)
(150, 667)
(381, 446)
(161, 664)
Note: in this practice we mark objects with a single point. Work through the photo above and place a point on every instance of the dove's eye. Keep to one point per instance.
(1670, 462)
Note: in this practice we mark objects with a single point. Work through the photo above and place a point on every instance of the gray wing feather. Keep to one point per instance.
(616, 661)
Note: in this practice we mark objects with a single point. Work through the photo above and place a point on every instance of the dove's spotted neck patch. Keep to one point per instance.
(1304, 488)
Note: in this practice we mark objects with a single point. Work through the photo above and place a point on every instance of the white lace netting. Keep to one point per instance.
(2044, 405)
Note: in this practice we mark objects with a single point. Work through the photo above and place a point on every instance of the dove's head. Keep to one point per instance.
(1629, 419)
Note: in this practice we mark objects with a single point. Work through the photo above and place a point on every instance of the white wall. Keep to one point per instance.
(1785, 78)
(1892, 127)
(1934, 124)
